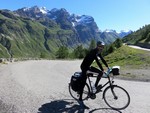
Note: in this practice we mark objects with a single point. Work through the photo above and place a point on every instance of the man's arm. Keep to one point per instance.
(103, 60)
(98, 63)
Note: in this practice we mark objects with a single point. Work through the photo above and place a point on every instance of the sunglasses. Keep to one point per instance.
(100, 46)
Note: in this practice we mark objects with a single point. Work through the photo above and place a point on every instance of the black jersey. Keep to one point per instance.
(90, 57)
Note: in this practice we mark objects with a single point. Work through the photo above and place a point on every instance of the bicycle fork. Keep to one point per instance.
(111, 87)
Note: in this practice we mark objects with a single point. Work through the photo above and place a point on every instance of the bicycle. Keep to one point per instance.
(116, 97)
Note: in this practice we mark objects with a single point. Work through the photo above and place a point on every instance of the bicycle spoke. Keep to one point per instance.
(116, 98)
(76, 95)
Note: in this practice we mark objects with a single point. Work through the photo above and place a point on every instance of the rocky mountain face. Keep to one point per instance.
(84, 27)
(35, 31)
(109, 36)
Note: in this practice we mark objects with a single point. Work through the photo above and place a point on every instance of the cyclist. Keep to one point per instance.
(86, 66)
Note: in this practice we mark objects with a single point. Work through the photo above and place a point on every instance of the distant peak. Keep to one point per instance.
(125, 31)
(36, 8)
(63, 9)
(109, 30)
(55, 10)
(43, 10)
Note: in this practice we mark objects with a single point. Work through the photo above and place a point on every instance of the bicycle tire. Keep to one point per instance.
(76, 96)
(118, 102)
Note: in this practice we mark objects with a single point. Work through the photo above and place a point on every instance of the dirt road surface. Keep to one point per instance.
(137, 47)
(42, 87)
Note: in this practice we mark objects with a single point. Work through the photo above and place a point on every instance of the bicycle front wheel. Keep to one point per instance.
(116, 97)
(76, 95)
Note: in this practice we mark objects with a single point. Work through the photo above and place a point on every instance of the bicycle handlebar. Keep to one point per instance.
(106, 74)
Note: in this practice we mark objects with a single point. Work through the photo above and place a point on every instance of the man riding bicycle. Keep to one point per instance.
(86, 66)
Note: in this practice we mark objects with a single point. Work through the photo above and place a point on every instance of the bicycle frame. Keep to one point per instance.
(110, 82)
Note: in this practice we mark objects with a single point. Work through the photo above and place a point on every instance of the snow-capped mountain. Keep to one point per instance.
(83, 26)
(54, 14)
(121, 34)
(36, 9)
(83, 19)
(109, 30)
(32, 12)
(124, 33)
(60, 15)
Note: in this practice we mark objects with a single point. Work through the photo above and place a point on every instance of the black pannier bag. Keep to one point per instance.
(76, 81)
(115, 70)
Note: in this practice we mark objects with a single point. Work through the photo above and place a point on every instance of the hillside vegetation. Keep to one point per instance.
(31, 34)
(25, 38)
(126, 56)
(141, 37)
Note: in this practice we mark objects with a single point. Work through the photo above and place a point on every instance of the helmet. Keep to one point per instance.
(100, 43)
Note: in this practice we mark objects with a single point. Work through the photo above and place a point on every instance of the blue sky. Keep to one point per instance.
(108, 14)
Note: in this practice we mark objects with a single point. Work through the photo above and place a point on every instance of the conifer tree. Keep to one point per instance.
(62, 52)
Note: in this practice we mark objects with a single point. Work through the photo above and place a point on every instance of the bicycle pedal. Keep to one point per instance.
(92, 96)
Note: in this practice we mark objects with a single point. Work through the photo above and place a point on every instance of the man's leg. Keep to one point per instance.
(84, 77)
(82, 84)
(98, 78)
(99, 72)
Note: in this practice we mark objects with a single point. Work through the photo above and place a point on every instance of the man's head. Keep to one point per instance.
(100, 45)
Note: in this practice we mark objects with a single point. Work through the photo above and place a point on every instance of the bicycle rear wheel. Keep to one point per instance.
(116, 97)
(76, 95)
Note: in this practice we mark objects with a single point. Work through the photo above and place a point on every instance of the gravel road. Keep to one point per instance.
(42, 87)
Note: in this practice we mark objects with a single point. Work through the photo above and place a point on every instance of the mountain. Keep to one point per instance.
(83, 26)
(21, 37)
(25, 37)
(124, 33)
(32, 12)
(67, 20)
(112, 34)
(37, 32)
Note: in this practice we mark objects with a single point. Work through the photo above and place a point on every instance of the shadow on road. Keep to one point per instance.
(60, 106)
(68, 106)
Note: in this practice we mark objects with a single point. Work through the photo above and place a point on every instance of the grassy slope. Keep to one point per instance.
(134, 63)
(129, 57)
(3, 52)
